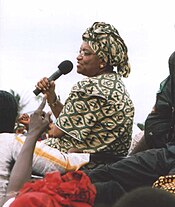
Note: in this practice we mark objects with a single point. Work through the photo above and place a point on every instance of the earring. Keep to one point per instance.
(101, 66)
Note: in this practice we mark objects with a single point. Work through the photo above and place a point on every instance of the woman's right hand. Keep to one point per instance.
(48, 88)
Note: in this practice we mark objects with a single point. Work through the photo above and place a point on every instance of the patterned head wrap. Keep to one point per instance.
(106, 42)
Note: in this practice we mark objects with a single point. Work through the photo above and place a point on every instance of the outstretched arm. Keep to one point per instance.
(21, 172)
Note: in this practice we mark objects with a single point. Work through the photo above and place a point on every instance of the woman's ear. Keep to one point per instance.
(102, 64)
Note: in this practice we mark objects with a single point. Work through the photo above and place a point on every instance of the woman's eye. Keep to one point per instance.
(85, 53)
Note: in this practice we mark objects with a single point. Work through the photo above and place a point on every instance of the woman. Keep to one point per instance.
(98, 113)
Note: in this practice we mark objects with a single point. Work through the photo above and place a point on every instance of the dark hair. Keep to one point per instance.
(147, 197)
(8, 112)
(109, 68)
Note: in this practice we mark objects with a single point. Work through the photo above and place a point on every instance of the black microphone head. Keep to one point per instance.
(65, 66)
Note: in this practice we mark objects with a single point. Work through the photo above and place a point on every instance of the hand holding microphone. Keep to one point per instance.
(63, 68)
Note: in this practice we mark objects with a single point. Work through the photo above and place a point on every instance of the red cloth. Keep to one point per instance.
(74, 189)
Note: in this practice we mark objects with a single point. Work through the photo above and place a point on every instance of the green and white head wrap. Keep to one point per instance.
(106, 42)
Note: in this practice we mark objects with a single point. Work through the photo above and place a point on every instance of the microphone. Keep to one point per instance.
(63, 68)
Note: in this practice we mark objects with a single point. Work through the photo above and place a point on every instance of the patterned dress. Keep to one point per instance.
(97, 116)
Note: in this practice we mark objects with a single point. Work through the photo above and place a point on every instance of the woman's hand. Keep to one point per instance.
(48, 88)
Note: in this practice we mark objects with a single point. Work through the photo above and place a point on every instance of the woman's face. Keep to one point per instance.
(88, 63)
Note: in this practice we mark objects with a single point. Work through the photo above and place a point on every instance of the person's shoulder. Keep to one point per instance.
(8, 141)
(90, 86)
(95, 79)
(109, 76)
(163, 84)
(83, 84)
(7, 136)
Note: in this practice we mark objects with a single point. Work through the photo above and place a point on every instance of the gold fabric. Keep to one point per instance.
(166, 183)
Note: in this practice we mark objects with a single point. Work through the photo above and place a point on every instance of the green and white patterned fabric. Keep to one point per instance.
(97, 116)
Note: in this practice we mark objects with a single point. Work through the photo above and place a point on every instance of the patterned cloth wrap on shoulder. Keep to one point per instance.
(166, 183)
